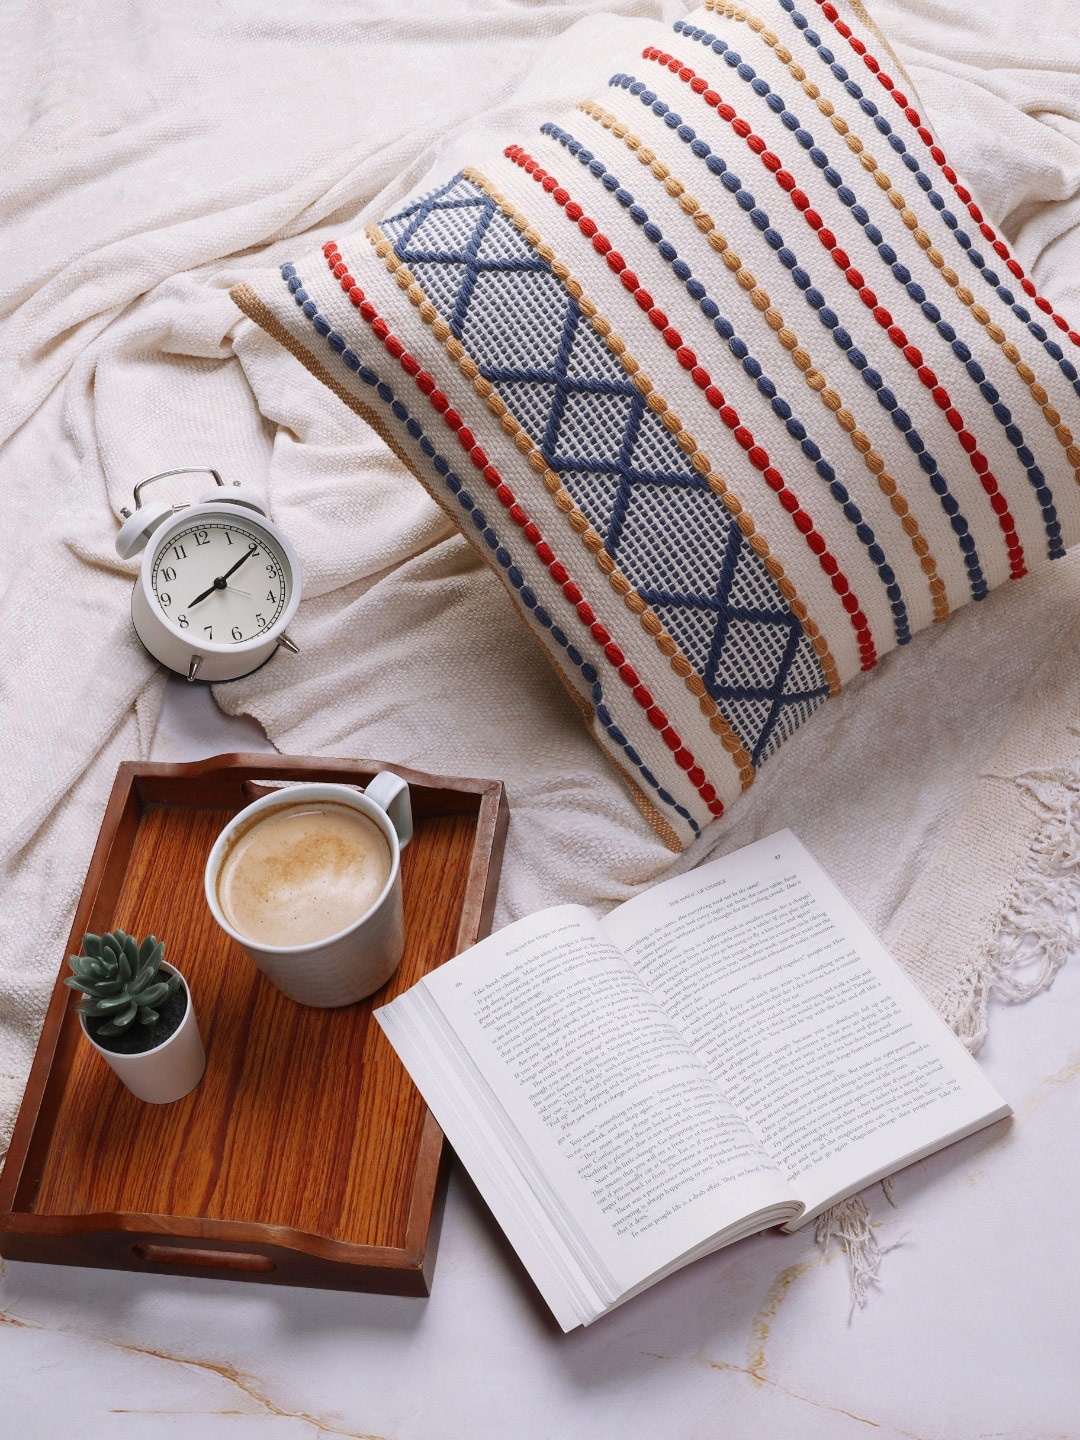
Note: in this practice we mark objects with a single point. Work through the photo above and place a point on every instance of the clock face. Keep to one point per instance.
(222, 580)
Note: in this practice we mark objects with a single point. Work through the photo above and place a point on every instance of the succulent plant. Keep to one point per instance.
(120, 979)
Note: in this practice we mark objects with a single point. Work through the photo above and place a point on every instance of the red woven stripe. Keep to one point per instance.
(727, 412)
(884, 320)
(912, 115)
(615, 657)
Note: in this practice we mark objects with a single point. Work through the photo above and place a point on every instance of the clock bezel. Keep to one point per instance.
(176, 647)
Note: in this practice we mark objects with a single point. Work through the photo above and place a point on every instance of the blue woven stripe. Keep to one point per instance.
(658, 518)
(1052, 348)
(837, 492)
(338, 343)
(735, 188)
(987, 392)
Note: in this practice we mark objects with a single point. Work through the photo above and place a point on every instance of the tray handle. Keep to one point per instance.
(152, 1254)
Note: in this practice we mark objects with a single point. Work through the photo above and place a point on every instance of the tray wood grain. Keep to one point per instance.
(305, 1156)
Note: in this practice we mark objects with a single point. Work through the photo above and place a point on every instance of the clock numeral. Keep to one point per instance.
(168, 573)
(228, 538)
(260, 621)
(179, 552)
(202, 537)
(165, 598)
(270, 597)
(208, 630)
(271, 569)
(237, 633)
(182, 621)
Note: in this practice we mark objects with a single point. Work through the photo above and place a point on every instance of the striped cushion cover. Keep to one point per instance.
(723, 372)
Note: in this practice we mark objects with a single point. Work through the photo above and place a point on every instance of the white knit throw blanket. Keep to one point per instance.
(155, 155)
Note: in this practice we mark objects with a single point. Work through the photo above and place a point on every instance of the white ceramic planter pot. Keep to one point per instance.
(168, 1071)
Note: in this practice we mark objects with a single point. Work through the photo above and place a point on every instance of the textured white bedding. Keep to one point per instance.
(153, 154)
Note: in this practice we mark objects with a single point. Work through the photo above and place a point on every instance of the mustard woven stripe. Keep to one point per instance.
(799, 356)
(592, 541)
(910, 220)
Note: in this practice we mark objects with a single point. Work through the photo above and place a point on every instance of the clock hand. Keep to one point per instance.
(233, 569)
(205, 593)
(220, 580)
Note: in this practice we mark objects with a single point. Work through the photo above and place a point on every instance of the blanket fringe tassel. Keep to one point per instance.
(1038, 931)
(1040, 927)
(850, 1226)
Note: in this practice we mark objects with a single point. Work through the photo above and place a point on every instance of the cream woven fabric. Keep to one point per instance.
(724, 373)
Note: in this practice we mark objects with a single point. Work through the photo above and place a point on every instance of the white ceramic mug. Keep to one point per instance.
(353, 963)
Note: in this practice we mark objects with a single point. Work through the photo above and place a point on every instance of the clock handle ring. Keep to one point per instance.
(187, 470)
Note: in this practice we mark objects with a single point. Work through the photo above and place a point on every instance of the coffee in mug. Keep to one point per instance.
(308, 881)
(303, 873)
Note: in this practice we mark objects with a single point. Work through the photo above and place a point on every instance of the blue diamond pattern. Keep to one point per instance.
(667, 530)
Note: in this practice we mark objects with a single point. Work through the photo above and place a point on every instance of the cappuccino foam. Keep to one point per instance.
(303, 873)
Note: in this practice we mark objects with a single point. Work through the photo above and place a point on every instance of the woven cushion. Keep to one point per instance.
(725, 375)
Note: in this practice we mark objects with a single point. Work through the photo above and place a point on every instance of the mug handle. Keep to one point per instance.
(391, 793)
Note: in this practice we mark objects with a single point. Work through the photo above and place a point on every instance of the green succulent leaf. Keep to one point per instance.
(91, 945)
(131, 949)
(173, 983)
(150, 968)
(111, 1002)
(93, 1006)
(154, 993)
(146, 1015)
(114, 1027)
(73, 983)
(126, 1016)
(143, 977)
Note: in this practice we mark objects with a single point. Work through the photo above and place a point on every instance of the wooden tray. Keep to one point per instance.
(305, 1156)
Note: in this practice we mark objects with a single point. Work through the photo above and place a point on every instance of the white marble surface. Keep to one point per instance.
(974, 1333)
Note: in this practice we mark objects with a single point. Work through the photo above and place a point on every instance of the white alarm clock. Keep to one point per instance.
(218, 584)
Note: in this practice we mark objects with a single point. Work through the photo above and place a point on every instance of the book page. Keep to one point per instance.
(806, 1022)
(603, 1107)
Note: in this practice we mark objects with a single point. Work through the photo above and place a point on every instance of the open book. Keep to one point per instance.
(731, 1050)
